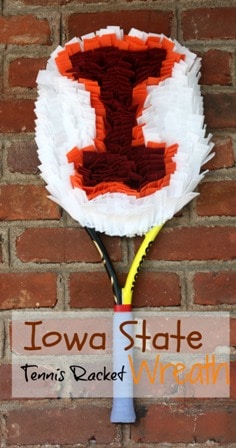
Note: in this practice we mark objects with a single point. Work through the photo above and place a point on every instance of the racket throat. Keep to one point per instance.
(127, 291)
(117, 294)
(127, 295)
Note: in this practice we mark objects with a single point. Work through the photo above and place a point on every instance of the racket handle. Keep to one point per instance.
(123, 403)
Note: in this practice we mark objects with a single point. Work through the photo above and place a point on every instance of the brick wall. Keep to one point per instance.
(46, 260)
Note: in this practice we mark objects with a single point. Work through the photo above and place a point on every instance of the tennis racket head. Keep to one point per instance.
(153, 168)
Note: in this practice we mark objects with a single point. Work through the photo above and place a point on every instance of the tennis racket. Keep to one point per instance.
(123, 405)
(121, 139)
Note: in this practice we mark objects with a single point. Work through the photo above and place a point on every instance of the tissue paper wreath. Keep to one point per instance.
(120, 129)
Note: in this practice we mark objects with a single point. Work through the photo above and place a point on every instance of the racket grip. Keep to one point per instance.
(123, 403)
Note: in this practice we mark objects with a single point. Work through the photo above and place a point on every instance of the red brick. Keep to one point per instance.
(56, 2)
(71, 424)
(16, 115)
(233, 380)
(217, 423)
(157, 289)
(217, 199)
(22, 157)
(148, 20)
(233, 332)
(1, 246)
(26, 202)
(209, 23)
(1, 74)
(63, 245)
(176, 424)
(216, 68)
(23, 71)
(195, 243)
(5, 382)
(28, 290)
(90, 290)
(215, 288)
(24, 30)
(46, 2)
(160, 423)
(224, 154)
(220, 110)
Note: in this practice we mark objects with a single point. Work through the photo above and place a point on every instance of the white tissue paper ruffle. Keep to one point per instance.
(173, 113)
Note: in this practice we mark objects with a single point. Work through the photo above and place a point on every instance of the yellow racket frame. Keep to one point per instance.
(127, 290)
